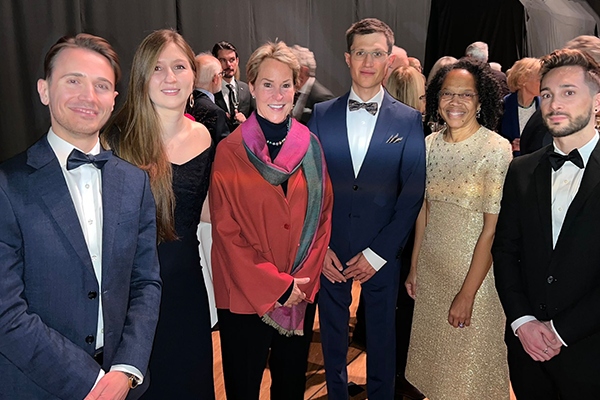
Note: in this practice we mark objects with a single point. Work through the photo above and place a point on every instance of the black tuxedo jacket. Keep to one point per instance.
(560, 284)
(210, 115)
(246, 106)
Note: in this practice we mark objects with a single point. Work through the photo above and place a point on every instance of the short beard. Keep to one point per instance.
(574, 126)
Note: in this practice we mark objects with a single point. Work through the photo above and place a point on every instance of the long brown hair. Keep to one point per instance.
(134, 133)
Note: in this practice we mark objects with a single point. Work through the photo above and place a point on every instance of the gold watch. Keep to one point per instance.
(133, 380)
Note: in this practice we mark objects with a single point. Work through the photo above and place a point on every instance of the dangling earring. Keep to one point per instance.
(191, 100)
(478, 115)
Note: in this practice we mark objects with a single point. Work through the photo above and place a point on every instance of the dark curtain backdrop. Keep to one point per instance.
(29, 27)
(453, 25)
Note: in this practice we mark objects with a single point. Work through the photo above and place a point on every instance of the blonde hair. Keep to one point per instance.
(405, 84)
(522, 71)
(277, 51)
(134, 133)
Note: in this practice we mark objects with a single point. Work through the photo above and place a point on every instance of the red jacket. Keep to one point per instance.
(256, 232)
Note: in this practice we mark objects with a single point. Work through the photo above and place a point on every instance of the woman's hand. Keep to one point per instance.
(461, 309)
(411, 283)
(297, 295)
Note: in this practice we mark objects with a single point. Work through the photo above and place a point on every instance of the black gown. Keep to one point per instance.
(181, 365)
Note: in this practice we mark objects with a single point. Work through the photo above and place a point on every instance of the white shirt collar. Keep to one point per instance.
(62, 148)
(378, 98)
(585, 151)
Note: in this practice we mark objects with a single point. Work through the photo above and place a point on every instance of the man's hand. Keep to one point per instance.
(461, 310)
(113, 386)
(297, 295)
(516, 144)
(332, 268)
(239, 117)
(538, 341)
(359, 269)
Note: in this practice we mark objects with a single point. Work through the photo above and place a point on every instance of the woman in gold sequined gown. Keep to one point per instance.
(457, 349)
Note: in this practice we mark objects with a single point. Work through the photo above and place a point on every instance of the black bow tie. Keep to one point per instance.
(557, 160)
(354, 105)
(77, 159)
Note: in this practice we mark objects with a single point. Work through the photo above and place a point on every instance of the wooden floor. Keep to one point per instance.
(316, 388)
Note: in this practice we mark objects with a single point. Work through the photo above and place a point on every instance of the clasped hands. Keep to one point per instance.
(539, 340)
(297, 294)
(112, 386)
(358, 268)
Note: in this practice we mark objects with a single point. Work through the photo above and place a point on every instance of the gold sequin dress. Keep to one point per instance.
(464, 180)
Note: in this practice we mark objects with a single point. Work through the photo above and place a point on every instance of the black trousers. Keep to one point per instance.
(245, 345)
(573, 374)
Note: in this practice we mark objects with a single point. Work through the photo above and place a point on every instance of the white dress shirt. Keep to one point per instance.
(85, 187)
(565, 185)
(360, 125)
(210, 95)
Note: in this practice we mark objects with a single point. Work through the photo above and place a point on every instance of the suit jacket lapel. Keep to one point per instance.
(335, 134)
(543, 187)
(382, 126)
(591, 179)
(112, 193)
(49, 181)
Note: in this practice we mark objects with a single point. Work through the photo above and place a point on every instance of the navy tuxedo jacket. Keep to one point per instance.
(377, 209)
(48, 290)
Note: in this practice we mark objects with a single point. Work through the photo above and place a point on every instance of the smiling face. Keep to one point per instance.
(80, 93)
(368, 73)
(459, 112)
(274, 90)
(566, 101)
(172, 81)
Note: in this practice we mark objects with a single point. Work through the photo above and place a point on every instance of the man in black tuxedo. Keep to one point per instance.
(204, 110)
(309, 91)
(546, 253)
(234, 98)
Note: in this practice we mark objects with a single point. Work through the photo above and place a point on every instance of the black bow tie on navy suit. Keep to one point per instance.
(354, 105)
(557, 160)
(77, 159)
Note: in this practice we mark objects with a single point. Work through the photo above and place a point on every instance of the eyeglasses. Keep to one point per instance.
(360, 55)
(220, 73)
(464, 97)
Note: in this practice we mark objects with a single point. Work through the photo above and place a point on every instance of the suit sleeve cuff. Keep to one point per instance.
(374, 259)
(129, 369)
(521, 321)
(557, 335)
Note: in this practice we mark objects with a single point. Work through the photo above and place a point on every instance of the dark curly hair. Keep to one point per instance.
(487, 86)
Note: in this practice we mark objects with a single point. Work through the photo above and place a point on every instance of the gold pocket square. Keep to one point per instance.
(395, 139)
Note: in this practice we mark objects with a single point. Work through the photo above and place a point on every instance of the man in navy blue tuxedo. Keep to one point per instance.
(79, 274)
(375, 153)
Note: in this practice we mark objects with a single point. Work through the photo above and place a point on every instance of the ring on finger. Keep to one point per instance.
(546, 350)
(461, 325)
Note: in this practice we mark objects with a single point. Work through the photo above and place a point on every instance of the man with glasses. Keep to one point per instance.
(375, 155)
(234, 97)
(204, 110)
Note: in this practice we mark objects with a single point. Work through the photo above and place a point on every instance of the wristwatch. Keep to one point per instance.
(133, 380)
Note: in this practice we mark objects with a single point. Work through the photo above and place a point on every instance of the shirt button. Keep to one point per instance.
(87, 185)
(566, 181)
(90, 221)
(560, 209)
(94, 257)
(286, 226)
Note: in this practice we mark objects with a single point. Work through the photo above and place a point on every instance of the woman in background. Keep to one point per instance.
(151, 131)
(457, 349)
(523, 101)
(407, 85)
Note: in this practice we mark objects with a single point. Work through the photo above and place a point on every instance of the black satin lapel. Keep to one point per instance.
(112, 193)
(589, 182)
(543, 179)
(50, 182)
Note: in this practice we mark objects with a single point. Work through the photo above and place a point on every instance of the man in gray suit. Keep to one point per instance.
(309, 91)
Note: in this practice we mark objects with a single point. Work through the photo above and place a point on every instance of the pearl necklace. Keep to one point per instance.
(282, 141)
